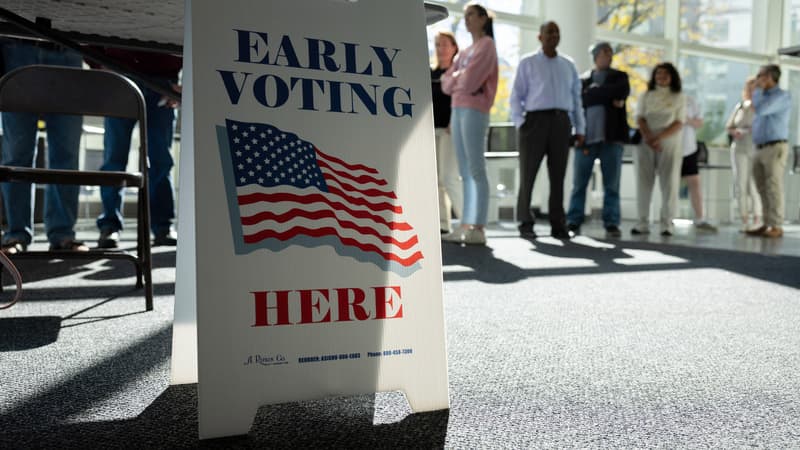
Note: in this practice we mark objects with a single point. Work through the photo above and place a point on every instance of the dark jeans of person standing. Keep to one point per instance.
(19, 150)
(610, 156)
(117, 141)
(544, 133)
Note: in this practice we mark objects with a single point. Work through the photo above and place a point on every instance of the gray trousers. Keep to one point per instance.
(667, 165)
(544, 133)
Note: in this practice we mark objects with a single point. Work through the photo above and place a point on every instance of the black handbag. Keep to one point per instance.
(702, 153)
(636, 136)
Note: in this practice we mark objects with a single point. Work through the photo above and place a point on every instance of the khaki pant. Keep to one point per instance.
(769, 166)
(667, 165)
(745, 191)
(449, 181)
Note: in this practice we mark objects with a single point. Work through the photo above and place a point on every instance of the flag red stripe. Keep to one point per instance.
(362, 202)
(358, 179)
(247, 199)
(324, 214)
(328, 231)
(346, 165)
(369, 192)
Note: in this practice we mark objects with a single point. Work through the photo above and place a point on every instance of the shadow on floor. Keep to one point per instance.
(25, 333)
(171, 422)
(611, 256)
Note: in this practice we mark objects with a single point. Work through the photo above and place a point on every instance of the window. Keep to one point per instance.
(637, 62)
(719, 23)
(793, 18)
(716, 85)
(505, 6)
(507, 38)
(644, 17)
(793, 77)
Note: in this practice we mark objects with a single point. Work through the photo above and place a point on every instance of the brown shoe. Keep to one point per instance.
(773, 232)
(756, 231)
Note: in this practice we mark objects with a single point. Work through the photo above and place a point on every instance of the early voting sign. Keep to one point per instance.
(308, 185)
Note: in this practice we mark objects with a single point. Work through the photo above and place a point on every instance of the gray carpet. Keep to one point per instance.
(585, 344)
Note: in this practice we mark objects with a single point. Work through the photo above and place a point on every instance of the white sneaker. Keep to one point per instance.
(456, 236)
(474, 236)
(705, 226)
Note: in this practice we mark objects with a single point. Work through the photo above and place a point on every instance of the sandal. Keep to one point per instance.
(13, 247)
(70, 245)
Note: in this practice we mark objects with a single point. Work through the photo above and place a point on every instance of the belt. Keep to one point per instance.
(767, 144)
(547, 111)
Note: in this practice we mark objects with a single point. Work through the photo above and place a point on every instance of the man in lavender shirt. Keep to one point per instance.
(546, 109)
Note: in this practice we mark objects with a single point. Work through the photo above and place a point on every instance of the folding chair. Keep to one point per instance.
(66, 90)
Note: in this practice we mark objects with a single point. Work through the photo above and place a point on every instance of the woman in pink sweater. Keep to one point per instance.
(472, 83)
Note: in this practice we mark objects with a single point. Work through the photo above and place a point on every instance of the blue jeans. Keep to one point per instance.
(610, 156)
(469, 128)
(117, 145)
(19, 149)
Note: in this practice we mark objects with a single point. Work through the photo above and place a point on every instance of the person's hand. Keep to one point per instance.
(618, 103)
(695, 122)
(736, 134)
(579, 140)
(653, 142)
(171, 102)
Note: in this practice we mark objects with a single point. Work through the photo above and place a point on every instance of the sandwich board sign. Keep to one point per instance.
(310, 252)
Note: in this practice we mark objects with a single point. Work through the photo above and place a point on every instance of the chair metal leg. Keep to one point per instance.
(148, 285)
(139, 277)
(145, 256)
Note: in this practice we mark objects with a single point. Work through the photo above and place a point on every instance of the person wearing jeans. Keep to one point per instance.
(604, 91)
(469, 128)
(19, 149)
(117, 143)
(472, 83)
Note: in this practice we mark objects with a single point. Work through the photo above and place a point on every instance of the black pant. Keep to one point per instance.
(544, 133)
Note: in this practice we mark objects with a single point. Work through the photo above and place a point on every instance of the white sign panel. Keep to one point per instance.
(316, 262)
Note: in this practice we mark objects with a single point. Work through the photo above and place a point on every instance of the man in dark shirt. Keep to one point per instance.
(604, 91)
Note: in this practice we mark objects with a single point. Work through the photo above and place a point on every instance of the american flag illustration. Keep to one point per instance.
(289, 192)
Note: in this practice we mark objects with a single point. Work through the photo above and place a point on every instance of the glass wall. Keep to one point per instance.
(793, 23)
(716, 85)
(793, 78)
(504, 6)
(507, 39)
(643, 17)
(711, 40)
(638, 62)
(721, 23)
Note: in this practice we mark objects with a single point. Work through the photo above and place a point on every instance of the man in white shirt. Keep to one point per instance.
(546, 107)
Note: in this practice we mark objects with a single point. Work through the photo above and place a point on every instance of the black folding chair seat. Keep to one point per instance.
(65, 90)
